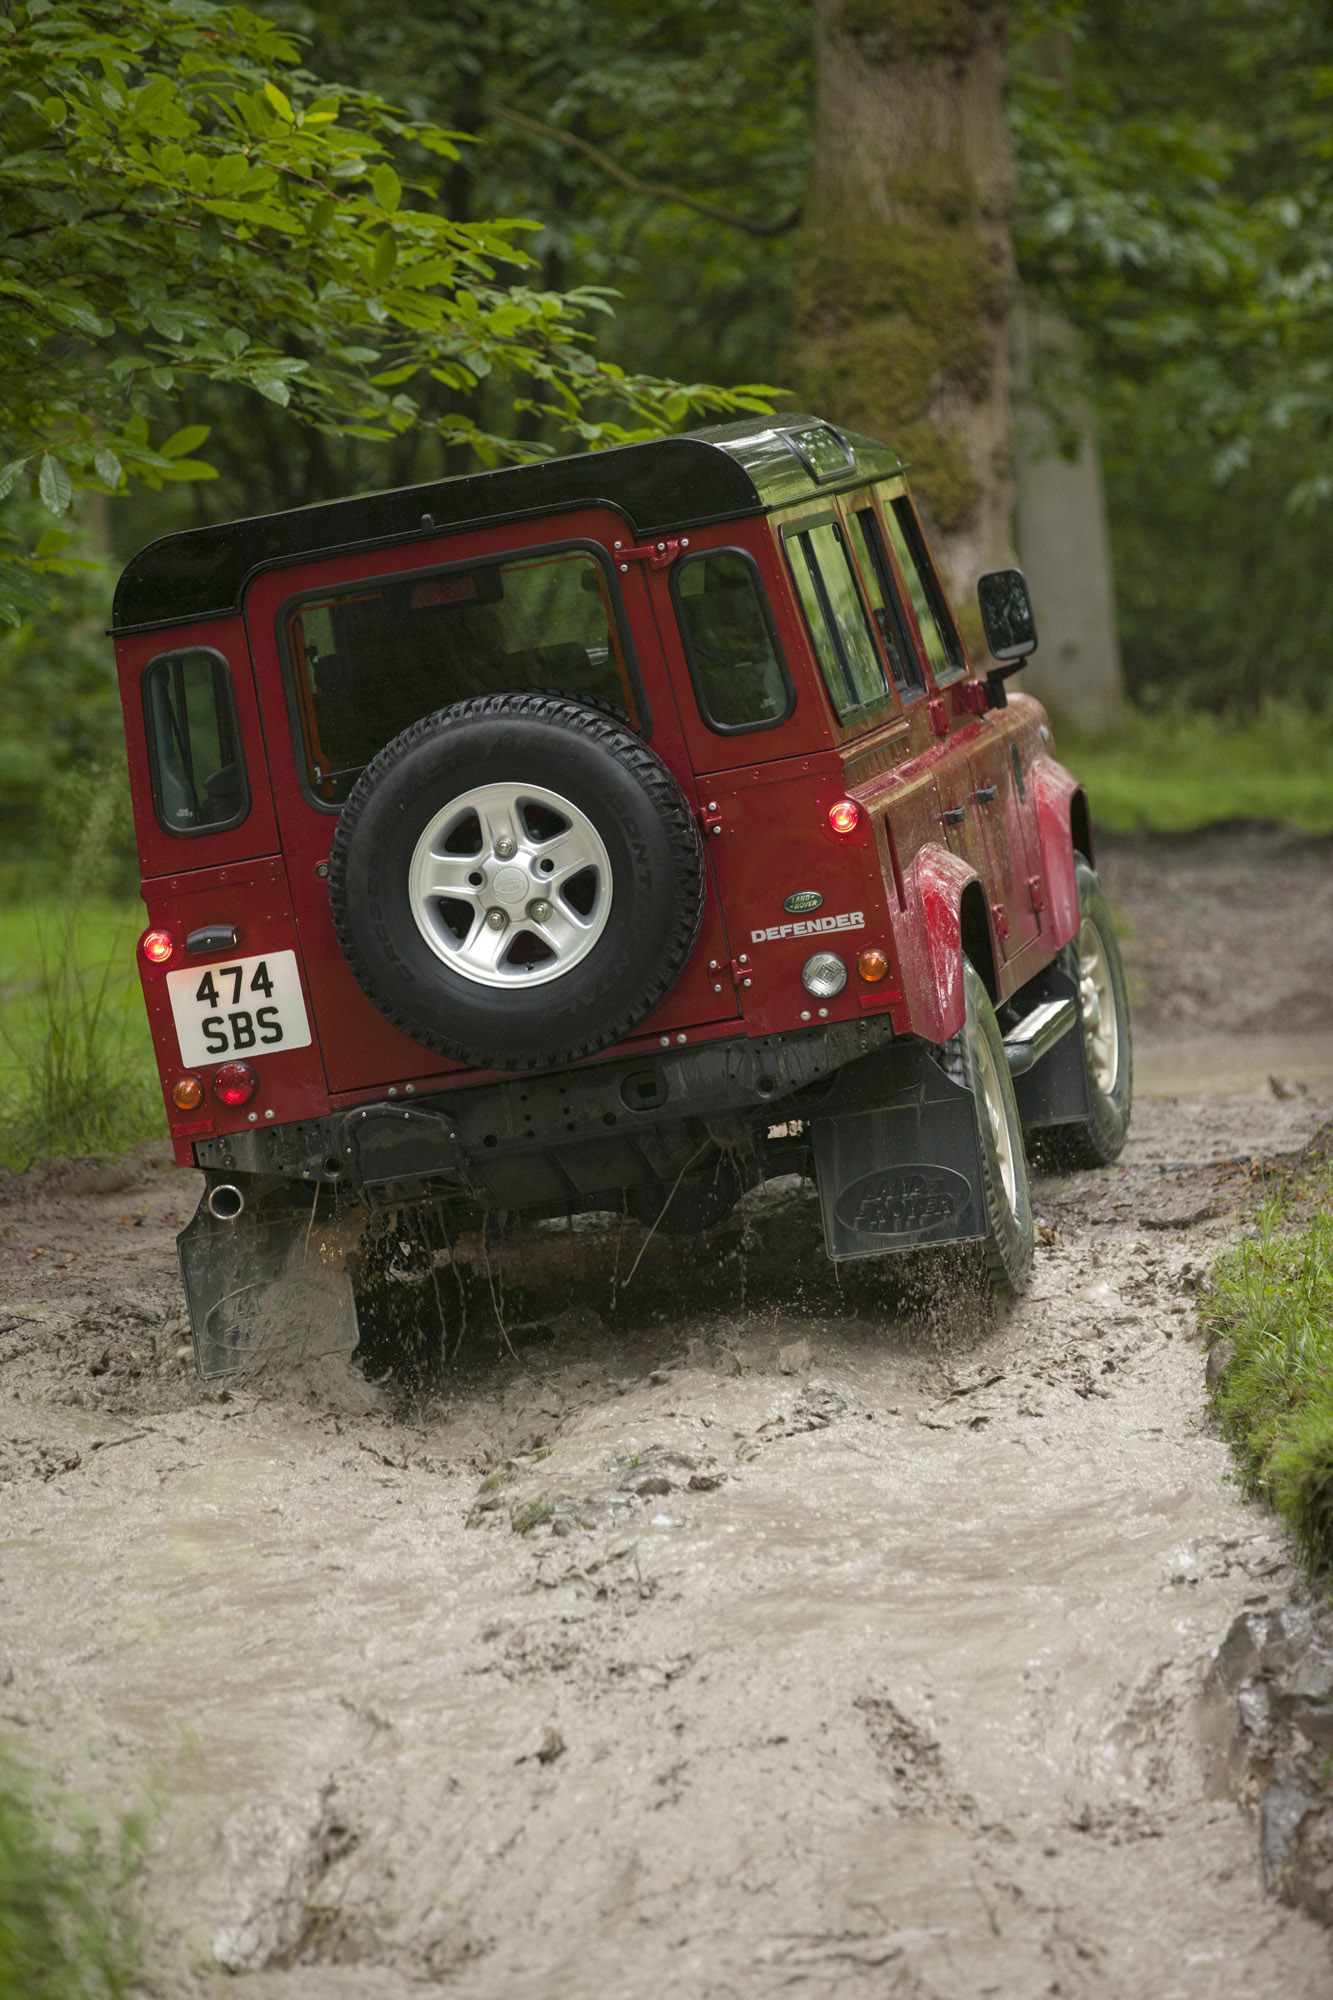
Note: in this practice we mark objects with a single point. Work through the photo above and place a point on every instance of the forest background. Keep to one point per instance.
(1156, 183)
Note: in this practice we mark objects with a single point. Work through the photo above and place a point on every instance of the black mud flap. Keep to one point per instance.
(272, 1289)
(897, 1158)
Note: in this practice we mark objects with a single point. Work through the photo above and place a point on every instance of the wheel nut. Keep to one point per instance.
(506, 846)
(496, 919)
(540, 910)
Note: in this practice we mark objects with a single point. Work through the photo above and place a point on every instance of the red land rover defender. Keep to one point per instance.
(615, 831)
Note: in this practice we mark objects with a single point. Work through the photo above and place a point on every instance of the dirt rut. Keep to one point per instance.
(772, 1637)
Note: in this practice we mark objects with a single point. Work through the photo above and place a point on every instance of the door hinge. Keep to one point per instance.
(710, 817)
(660, 555)
(939, 718)
(1038, 888)
(1000, 917)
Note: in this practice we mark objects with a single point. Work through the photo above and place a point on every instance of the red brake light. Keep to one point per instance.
(844, 816)
(157, 946)
(235, 1083)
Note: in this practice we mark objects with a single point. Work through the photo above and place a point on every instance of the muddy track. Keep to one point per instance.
(762, 1636)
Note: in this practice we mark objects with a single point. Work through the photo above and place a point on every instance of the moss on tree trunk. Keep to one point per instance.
(904, 272)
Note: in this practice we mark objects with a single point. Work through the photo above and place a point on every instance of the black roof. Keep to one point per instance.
(662, 487)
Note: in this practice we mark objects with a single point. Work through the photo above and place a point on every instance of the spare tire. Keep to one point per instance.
(516, 881)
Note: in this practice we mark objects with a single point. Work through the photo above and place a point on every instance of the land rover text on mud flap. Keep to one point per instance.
(610, 832)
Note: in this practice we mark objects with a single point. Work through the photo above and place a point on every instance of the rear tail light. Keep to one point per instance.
(844, 816)
(873, 965)
(824, 975)
(157, 946)
(187, 1093)
(234, 1083)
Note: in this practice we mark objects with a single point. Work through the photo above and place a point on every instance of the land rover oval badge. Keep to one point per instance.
(802, 901)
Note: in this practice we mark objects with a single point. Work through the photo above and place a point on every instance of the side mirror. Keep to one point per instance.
(1006, 613)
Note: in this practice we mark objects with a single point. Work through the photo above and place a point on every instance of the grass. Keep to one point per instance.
(1173, 772)
(66, 1925)
(77, 1073)
(1270, 1300)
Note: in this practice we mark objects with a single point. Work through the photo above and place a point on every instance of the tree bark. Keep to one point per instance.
(904, 270)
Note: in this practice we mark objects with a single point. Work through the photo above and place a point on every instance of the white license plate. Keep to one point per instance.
(244, 1007)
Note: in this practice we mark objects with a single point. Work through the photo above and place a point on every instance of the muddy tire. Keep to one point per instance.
(1093, 962)
(976, 1058)
(517, 881)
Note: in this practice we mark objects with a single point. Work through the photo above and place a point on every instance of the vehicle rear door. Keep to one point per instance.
(339, 678)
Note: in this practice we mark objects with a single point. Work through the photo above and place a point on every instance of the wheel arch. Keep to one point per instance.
(943, 895)
(1055, 793)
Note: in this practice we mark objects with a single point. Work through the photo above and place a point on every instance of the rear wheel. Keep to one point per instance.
(976, 1058)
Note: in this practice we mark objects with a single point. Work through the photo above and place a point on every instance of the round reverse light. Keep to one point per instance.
(187, 1093)
(844, 816)
(235, 1083)
(157, 946)
(824, 974)
(873, 965)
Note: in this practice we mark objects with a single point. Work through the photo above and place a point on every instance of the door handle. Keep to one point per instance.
(985, 794)
(954, 816)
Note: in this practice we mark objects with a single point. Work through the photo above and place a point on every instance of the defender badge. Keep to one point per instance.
(801, 901)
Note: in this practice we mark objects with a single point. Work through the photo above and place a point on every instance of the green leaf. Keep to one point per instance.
(282, 105)
(9, 475)
(54, 485)
(386, 256)
(184, 441)
(52, 542)
(189, 468)
(55, 110)
(109, 468)
(388, 188)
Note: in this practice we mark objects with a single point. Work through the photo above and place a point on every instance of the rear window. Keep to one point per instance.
(369, 659)
(938, 632)
(194, 745)
(740, 678)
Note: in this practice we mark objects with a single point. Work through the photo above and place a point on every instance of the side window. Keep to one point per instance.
(943, 648)
(836, 615)
(194, 745)
(740, 678)
(882, 589)
(368, 660)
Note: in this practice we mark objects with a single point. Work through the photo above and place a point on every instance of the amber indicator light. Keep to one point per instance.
(187, 1093)
(873, 965)
(235, 1083)
(844, 816)
(157, 946)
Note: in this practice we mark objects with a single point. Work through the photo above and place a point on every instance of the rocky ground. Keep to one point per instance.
(726, 1633)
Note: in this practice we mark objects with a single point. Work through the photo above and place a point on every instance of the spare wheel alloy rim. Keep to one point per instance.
(1096, 997)
(510, 885)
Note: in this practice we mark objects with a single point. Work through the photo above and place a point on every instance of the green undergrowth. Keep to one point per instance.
(77, 1073)
(1173, 772)
(67, 1929)
(1269, 1309)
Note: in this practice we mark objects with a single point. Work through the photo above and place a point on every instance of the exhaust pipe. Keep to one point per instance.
(225, 1201)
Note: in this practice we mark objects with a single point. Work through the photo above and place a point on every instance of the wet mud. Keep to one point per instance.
(728, 1632)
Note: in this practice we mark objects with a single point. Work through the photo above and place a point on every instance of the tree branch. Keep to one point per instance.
(659, 191)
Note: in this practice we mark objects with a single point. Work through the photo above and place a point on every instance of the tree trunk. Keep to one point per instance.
(904, 271)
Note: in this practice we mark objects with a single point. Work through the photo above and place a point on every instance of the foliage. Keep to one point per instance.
(65, 1928)
(180, 201)
(712, 101)
(1177, 769)
(1271, 1301)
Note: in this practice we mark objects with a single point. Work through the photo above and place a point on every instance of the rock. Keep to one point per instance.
(644, 1482)
(1308, 1875)
(794, 1359)
(1220, 1357)
(551, 1746)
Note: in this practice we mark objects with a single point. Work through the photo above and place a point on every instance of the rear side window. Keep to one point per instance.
(740, 678)
(368, 660)
(194, 744)
(943, 648)
(885, 604)
(836, 615)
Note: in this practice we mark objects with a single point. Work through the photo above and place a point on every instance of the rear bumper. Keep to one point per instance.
(555, 1140)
